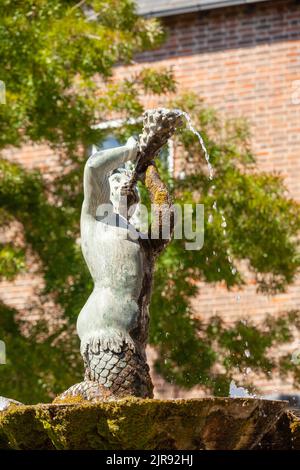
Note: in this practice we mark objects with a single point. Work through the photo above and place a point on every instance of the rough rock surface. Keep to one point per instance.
(133, 423)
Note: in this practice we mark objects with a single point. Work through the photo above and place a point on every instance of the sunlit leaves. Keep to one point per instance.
(46, 47)
(12, 261)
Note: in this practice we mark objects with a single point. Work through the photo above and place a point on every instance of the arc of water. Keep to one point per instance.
(211, 175)
(201, 141)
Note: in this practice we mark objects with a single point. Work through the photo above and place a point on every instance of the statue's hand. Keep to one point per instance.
(133, 147)
(130, 193)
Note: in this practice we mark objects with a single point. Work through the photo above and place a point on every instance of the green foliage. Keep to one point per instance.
(12, 260)
(50, 51)
(36, 370)
(56, 60)
(157, 82)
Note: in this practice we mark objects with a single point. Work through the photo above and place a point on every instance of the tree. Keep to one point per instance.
(57, 62)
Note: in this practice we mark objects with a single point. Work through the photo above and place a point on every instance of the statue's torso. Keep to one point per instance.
(117, 265)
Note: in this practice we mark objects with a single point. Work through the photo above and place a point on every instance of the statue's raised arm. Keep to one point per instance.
(97, 169)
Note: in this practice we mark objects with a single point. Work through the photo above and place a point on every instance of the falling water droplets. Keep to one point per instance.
(238, 392)
(211, 176)
(201, 141)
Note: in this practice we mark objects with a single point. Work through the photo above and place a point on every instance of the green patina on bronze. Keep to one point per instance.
(132, 423)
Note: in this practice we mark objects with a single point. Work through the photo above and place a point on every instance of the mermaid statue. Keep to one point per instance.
(113, 324)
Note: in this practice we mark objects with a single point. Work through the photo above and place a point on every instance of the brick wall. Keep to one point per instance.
(244, 61)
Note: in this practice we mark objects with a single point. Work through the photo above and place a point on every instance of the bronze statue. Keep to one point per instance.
(113, 324)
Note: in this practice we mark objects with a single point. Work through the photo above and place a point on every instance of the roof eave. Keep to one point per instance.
(195, 8)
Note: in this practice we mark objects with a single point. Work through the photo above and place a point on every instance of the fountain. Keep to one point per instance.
(113, 407)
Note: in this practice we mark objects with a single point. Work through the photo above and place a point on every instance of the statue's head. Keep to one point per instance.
(117, 180)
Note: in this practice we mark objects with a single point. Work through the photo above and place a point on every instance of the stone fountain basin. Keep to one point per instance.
(132, 423)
